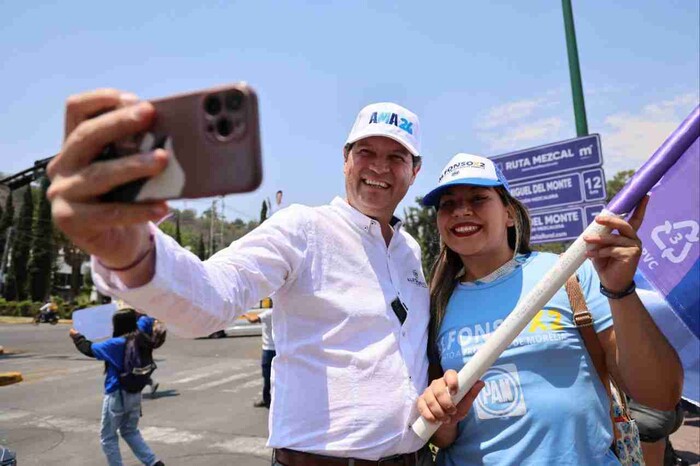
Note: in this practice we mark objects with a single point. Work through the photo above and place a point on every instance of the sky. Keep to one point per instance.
(484, 77)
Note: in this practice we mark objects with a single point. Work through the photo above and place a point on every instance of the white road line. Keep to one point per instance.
(224, 381)
(167, 435)
(63, 374)
(247, 446)
(192, 375)
(250, 384)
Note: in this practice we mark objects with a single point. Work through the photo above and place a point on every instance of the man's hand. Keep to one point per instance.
(116, 233)
(74, 333)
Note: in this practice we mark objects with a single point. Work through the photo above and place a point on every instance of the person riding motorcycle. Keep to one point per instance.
(47, 313)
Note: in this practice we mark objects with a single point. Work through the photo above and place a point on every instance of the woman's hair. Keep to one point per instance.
(124, 322)
(448, 264)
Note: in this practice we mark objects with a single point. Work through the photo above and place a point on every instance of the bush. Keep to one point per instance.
(31, 309)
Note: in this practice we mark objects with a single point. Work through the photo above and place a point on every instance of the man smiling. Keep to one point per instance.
(352, 328)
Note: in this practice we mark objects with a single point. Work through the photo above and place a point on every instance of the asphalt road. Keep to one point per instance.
(201, 414)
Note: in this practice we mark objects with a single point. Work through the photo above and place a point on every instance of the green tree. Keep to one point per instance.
(201, 250)
(41, 249)
(178, 235)
(17, 277)
(618, 181)
(6, 221)
(421, 223)
(263, 212)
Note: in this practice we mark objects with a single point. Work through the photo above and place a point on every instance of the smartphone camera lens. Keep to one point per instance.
(212, 105)
(224, 127)
(234, 100)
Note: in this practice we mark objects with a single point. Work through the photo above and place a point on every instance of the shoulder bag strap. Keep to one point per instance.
(584, 323)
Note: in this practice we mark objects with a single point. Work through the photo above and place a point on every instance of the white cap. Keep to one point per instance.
(389, 120)
(466, 169)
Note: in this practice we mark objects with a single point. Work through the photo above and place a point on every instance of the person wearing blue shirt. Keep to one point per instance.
(146, 324)
(542, 402)
(121, 410)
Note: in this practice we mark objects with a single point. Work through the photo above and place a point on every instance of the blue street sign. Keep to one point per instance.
(594, 185)
(573, 154)
(590, 211)
(561, 190)
(556, 225)
(544, 193)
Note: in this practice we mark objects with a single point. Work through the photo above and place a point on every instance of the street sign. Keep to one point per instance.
(559, 157)
(556, 225)
(563, 224)
(561, 190)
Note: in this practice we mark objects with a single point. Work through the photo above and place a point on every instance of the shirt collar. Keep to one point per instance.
(359, 219)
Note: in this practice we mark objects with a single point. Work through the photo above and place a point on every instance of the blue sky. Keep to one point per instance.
(484, 77)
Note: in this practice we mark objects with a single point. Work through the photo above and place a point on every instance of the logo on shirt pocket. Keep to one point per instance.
(502, 395)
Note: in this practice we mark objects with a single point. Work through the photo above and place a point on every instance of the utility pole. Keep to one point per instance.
(212, 213)
(574, 70)
(221, 220)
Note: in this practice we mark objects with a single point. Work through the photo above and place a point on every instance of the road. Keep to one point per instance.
(201, 414)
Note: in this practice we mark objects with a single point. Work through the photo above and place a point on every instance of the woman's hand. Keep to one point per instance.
(435, 404)
(615, 256)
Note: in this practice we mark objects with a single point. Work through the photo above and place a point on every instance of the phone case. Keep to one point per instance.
(213, 137)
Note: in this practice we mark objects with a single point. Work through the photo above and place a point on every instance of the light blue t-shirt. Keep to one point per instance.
(543, 403)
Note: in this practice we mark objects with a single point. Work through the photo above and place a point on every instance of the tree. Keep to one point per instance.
(6, 221)
(421, 223)
(178, 236)
(201, 250)
(618, 181)
(17, 277)
(41, 249)
(263, 212)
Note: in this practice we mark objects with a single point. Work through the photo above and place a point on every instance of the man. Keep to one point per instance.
(268, 353)
(277, 205)
(352, 327)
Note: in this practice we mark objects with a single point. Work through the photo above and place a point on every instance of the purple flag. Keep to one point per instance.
(671, 261)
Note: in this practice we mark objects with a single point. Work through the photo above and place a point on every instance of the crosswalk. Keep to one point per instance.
(190, 379)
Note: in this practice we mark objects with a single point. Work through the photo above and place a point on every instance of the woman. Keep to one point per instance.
(120, 409)
(542, 402)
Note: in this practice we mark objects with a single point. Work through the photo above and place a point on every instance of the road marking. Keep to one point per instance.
(244, 445)
(255, 446)
(224, 381)
(58, 374)
(210, 370)
(250, 384)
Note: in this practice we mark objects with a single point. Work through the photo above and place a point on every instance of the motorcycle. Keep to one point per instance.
(46, 318)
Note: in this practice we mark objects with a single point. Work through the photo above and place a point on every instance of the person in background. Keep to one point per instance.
(268, 353)
(277, 205)
(121, 410)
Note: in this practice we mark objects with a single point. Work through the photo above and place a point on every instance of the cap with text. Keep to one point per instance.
(466, 170)
(389, 120)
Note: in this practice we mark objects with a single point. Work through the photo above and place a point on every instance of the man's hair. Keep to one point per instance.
(279, 192)
(417, 160)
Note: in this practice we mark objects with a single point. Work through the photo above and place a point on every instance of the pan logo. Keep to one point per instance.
(502, 395)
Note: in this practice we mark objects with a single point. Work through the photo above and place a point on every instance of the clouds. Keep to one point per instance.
(522, 123)
(630, 138)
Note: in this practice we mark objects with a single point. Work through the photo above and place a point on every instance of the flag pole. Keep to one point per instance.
(629, 196)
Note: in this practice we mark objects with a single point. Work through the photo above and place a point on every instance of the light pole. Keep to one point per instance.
(574, 70)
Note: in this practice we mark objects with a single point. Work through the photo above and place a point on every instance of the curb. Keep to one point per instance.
(9, 378)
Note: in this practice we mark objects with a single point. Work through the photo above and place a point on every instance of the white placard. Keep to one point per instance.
(95, 322)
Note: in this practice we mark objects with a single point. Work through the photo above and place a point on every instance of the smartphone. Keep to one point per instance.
(213, 138)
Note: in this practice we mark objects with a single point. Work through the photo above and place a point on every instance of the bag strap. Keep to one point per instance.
(584, 324)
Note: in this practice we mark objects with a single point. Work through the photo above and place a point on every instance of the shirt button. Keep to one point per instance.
(403, 333)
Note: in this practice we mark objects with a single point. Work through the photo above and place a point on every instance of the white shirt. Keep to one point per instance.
(347, 374)
(266, 323)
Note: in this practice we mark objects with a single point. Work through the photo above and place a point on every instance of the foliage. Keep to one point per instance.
(6, 221)
(17, 277)
(617, 182)
(421, 223)
(41, 249)
(263, 212)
